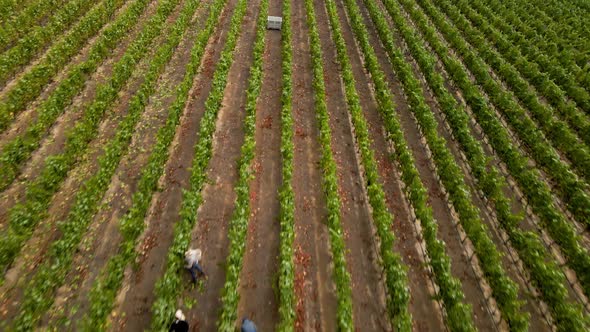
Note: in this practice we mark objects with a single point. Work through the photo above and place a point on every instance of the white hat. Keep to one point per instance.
(179, 315)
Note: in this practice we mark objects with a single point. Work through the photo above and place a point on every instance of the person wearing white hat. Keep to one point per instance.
(192, 258)
(179, 324)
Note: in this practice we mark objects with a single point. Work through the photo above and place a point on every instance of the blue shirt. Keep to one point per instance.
(248, 326)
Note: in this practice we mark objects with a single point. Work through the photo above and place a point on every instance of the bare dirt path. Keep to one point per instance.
(210, 233)
(461, 265)
(103, 237)
(42, 53)
(54, 142)
(426, 311)
(32, 253)
(538, 320)
(258, 299)
(133, 308)
(529, 223)
(519, 144)
(25, 118)
(314, 285)
(511, 261)
(362, 257)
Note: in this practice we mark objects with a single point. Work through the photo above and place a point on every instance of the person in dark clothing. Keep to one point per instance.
(179, 324)
(248, 325)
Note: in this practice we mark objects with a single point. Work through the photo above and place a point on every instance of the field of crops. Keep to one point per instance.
(375, 165)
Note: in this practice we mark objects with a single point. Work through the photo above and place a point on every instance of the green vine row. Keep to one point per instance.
(547, 54)
(286, 286)
(168, 287)
(19, 25)
(540, 32)
(31, 84)
(39, 294)
(504, 290)
(546, 275)
(238, 224)
(570, 189)
(11, 8)
(344, 313)
(536, 191)
(556, 82)
(26, 215)
(459, 315)
(553, 128)
(19, 149)
(106, 287)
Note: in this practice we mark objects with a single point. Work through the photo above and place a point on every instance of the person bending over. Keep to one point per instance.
(192, 258)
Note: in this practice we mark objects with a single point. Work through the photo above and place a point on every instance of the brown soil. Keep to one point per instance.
(538, 321)
(461, 267)
(41, 54)
(133, 308)
(258, 300)
(211, 230)
(54, 142)
(314, 285)
(530, 222)
(34, 250)
(27, 116)
(94, 251)
(362, 258)
(424, 309)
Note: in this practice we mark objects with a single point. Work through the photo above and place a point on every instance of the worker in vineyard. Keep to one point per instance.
(192, 258)
(180, 324)
(248, 325)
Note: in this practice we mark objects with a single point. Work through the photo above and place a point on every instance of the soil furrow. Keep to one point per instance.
(103, 236)
(210, 233)
(531, 223)
(426, 311)
(462, 265)
(368, 290)
(32, 253)
(315, 290)
(54, 142)
(538, 320)
(27, 116)
(258, 300)
(133, 308)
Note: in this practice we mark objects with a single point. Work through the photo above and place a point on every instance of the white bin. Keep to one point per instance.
(274, 22)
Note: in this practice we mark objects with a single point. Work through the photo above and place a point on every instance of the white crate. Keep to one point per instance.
(274, 22)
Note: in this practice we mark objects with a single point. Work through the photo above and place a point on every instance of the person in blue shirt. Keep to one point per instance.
(248, 325)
